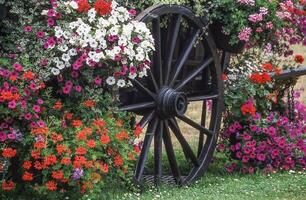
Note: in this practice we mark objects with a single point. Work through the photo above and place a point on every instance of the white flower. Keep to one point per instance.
(91, 13)
(110, 80)
(116, 50)
(114, 30)
(56, 59)
(60, 65)
(62, 48)
(121, 83)
(132, 76)
(93, 43)
(72, 52)
(65, 57)
(74, 5)
(55, 71)
(139, 57)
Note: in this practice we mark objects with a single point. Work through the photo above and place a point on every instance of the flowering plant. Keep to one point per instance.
(59, 147)
(101, 35)
(257, 133)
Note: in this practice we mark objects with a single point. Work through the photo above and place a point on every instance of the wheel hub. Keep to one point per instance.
(171, 103)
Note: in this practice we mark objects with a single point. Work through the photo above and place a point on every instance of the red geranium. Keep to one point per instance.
(248, 108)
(103, 7)
(51, 185)
(299, 59)
(8, 185)
(9, 152)
(27, 176)
(267, 67)
(260, 78)
(83, 6)
(104, 139)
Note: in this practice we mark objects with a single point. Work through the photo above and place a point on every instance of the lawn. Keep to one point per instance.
(217, 184)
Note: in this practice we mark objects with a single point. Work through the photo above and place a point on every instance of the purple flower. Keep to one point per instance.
(27, 29)
(77, 173)
(12, 105)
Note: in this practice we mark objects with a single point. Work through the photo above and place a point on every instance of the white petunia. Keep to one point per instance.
(65, 57)
(72, 52)
(110, 80)
(93, 43)
(60, 65)
(132, 76)
(55, 71)
(91, 13)
(74, 5)
(62, 48)
(139, 57)
(56, 59)
(121, 83)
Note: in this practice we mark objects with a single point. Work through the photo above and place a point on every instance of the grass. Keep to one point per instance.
(217, 184)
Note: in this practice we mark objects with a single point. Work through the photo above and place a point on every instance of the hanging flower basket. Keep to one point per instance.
(223, 41)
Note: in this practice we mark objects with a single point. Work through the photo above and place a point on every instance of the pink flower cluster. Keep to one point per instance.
(270, 143)
(244, 34)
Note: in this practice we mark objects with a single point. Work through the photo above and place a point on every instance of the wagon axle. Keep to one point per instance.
(171, 103)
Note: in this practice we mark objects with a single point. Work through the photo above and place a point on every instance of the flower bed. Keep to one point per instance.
(60, 133)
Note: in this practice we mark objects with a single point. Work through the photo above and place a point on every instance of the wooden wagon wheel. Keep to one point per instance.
(175, 79)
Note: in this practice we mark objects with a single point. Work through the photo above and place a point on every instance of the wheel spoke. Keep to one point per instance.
(194, 73)
(170, 154)
(186, 147)
(173, 32)
(157, 62)
(145, 149)
(203, 122)
(196, 125)
(148, 117)
(151, 76)
(158, 153)
(139, 106)
(203, 97)
(185, 54)
(141, 87)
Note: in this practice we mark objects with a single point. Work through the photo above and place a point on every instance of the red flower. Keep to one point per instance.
(260, 78)
(28, 75)
(65, 161)
(39, 145)
(267, 67)
(103, 7)
(27, 176)
(8, 185)
(122, 136)
(9, 152)
(104, 139)
(27, 164)
(60, 149)
(299, 59)
(118, 161)
(137, 131)
(58, 105)
(104, 168)
(277, 71)
(266, 77)
(89, 103)
(35, 154)
(77, 123)
(38, 165)
(224, 77)
(99, 123)
(83, 6)
(58, 175)
(51, 185)
(248, 107)
(81, 151)
(50, 160)
(91, 143)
